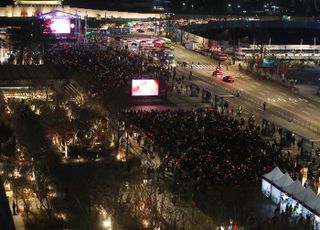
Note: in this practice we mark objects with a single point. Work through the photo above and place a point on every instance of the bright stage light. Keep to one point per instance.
(60, 26)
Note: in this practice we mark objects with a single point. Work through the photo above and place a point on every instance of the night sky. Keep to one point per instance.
(85, 3)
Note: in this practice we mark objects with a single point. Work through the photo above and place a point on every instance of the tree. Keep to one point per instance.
(29, 36)
(22, 189)
(7, 140)
(28, 131)
(41, 190)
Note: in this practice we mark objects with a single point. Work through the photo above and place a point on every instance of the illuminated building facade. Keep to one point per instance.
(33, 8)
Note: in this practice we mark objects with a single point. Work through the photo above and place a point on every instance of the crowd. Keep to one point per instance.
(201, 145)
(206, 147)
(106, 68)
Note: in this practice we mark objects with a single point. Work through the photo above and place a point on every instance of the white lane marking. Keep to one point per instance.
(290, 105)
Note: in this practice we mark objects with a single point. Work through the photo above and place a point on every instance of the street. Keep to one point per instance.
(258, 90)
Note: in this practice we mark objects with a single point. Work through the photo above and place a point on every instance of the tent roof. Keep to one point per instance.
(58, 14)
(314, 204)
(275, 174)
(283, 181)
(294, 188)
(306, 195)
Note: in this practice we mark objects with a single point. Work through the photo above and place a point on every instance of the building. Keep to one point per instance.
(33, 8)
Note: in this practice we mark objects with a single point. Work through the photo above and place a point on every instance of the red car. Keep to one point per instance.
(228, 79)
(218, 74)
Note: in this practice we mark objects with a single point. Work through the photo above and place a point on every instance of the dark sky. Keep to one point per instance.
(91, 3)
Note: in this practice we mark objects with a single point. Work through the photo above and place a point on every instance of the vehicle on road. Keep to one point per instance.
(166, 55)
(229, 79)
(218, 74)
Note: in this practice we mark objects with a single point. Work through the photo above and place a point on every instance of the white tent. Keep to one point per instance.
(278, 184)
(313, 204)
(306, 195)
(293, 188)
(283, 181)
(273, 175)
(268, 178)
(286, 192)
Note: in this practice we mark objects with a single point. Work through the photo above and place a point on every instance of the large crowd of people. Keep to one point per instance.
(206, 147)
(106, 68)
(202, 145)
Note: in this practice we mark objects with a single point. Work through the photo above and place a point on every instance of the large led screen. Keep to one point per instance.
(143, 87)
(60, 26)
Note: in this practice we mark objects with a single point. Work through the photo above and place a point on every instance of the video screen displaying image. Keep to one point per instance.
(60, 26)
(145, 87)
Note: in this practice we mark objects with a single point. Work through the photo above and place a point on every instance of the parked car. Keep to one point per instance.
(229, 79)
(140, 31)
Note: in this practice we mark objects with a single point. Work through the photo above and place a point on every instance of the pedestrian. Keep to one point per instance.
(14, 208)
(264, 106)
(239, 110)
(190, 75)
(226, 105)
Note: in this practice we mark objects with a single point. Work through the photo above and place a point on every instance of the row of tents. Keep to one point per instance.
(284, 191)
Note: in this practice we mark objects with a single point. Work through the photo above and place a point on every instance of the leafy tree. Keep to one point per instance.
(7, 140)
(29, 36)
(28, 131)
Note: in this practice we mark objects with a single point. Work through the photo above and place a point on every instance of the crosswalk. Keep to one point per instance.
(204, 67)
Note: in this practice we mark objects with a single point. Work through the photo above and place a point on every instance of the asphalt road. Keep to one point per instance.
(281, 102)
(278, 98)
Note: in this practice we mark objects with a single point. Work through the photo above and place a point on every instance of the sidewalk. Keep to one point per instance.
(17, 219)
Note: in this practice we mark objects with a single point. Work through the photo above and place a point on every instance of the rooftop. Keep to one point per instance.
(39, 2)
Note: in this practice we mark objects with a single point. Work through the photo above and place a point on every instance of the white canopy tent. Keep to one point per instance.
(287, 197)
(293, 188)
(267, 180)
(277, 185)
(285, 191)
(306, 195)
(314, 204)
